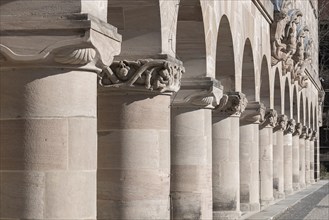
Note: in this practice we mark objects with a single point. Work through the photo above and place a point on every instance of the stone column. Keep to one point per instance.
(191, 148)
(302, 157)
(312, 147)
(317, 158)
(225, 172)
(287, 139)
(278, 156)
(266, 157)
(295, 156)
(307, 157)
(48, 92)
(133, 175)
(249, 156)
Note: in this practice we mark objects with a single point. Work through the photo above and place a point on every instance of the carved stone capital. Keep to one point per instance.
(231, 104)
(144, 75)
(309, 133)
(281, 123)
(298, 129)
(304, 132)
(314, 135)
(202, 93)
(291, 124)
(77, 41)
(254, 113)
(270, 118)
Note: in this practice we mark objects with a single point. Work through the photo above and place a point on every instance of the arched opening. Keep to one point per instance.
(295, 104)
(139, 23)
(225, 69)
(265, 84)
(191, 47)
(287, 102)
(248, 72)
(307, 115)
(311, 117)
(302, 109)
(277, 92)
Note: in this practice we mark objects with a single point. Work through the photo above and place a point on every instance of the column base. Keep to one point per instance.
(296, 187)
(250, 207)
(288, 192)
(226, 215)
(279, 195)
(266, 203)
(302, 185)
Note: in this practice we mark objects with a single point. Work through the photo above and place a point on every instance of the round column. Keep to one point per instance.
(287, 139)
(249, 156)
(295, 156)
(312, 147)
(307, 158)
(225, 173)
(266, 157)
(191, 149)
(48, 144)
(302, 157)
(278, 156)
(133, 177)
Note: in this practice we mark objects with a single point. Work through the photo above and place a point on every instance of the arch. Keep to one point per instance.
(191, 44)
(248, 72)
(225, 67)
(311, 116)
(287, 101)
(265, 84)
(139, 23)
(277, 92)
(295, 104)
(302, 109)
(307, 115)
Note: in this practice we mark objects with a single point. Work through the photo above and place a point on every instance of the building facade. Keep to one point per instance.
(156, 109)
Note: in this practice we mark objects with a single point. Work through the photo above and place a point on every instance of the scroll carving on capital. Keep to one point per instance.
(291, 44)
(254, 113)
(281, 123)
(298, 129)
(291, 125)
(231, 104)
(270, 118)
(75, 56)
(155, 75)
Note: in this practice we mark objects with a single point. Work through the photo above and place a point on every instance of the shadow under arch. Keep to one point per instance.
(265, 94)
(277, 92)
(248, 72)
(295, 104)
(225, 68)
(307, 113)
(302, 109)
(139, 23)
(287, 102)
(191, 44)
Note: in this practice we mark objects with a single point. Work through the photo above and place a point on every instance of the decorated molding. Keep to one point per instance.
(231, 104)
(144, 75)
(291, 125)
(84, 42)
(281, 124)
(304, 132)
(298, 129)
(204, 93)
(270, 118)
(254, 113)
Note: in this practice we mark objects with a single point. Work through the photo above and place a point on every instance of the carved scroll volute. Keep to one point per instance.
(231, 104)
(304, 132)
(159, 76)
(291, 124)
(298, 129)
(75, 56)
(270, 118)
(281, 123)
(254, 113)
(208, 99)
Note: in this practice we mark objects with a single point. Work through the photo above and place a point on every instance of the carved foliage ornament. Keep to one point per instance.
(232, 103)
(254, 113)
(206, 99)
(144, 74)
(314, 135)
(270, 119)
(281, 122)
(298, 129)
(290, 42)
(291, 124)
(304, 132)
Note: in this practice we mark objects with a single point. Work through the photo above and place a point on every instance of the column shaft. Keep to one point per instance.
(307, 162)
(226, 182)
(249, 167)
(295, 162)
(278, 165)
(288, 163)
(48, 144)
(302, 157)
(133, 175)
(191, 163)
(312, 180)
(266, 165)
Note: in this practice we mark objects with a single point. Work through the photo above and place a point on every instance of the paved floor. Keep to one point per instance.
(310, 203)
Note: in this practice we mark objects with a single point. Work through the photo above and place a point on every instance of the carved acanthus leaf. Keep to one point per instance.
(291, 124)
(80, 56)
(270, 118)
(144, 74)
(309, 133)
(232, 104)
(298, 129)
(281, 123)
(304, 132)
(314, 135)
(254, 113)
